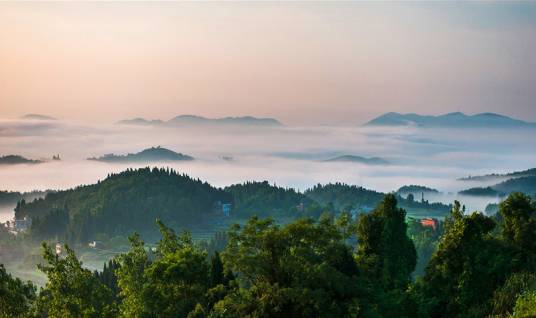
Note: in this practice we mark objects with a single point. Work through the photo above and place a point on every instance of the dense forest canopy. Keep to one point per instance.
(132, 200)
(122, 203)
(481, 266)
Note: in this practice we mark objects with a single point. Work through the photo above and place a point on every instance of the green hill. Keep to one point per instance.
(121, 204)
(264, 199)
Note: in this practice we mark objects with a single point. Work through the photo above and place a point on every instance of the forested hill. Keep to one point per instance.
(502, 176)
(344, 196)
(16, 159)
(264, 199)
(525, 185)
(350, 197)
(131, 201)
(121, 204)
(152, 154)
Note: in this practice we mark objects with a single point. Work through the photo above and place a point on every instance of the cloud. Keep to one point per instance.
(431, 157)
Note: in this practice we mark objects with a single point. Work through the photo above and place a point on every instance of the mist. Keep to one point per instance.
(286, 156)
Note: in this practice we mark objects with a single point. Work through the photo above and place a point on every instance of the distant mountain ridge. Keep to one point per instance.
(140, 122)
(526, 184)
(359, 159)
(37, 117)
(147, 155)
(193, 120)
(499, 176)
(457, 119)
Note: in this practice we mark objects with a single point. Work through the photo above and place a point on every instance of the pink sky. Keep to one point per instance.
(303, 63)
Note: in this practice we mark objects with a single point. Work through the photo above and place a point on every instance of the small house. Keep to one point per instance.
(59, 248)
(95, 244)
(226, 209)
(429, 222)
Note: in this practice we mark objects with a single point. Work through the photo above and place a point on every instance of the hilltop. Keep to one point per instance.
(415, 189)
(16, 159)
(457, 120)
(148, 155)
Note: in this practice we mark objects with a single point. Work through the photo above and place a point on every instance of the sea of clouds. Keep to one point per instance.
(286, 156)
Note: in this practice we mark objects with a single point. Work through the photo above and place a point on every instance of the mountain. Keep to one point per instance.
(359, 159)
(37, 117)
(192, 120)
(16, 159)
(458, 120)
(232, 121)
(140, 122)
(148, 155)
(501, 176)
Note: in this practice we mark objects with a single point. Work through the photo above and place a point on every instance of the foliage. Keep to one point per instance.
(505, 297)
(303, 269)
(130, 278)
(525, 305)
(330, 266)
(71, 290)
(108, 277)
(425, 240)
(464, 265)
(385, 250)
(123, 203)
(16, 296)
(263, 199)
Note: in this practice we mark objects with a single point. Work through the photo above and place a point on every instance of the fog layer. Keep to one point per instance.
(286, 156)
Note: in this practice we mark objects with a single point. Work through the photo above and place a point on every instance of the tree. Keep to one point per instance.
(71, 290)
(178, 279)
(108, 276)
(131, 279)
(505, 297)
(175, 283)
(217, 275)
(303, 269)
(468, 265)
(518, 225)
(525, 305)
(385, 251)
(16, 296)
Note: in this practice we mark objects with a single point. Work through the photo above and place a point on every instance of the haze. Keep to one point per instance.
(304, 63)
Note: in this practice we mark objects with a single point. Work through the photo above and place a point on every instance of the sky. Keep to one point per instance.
(304, 63)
